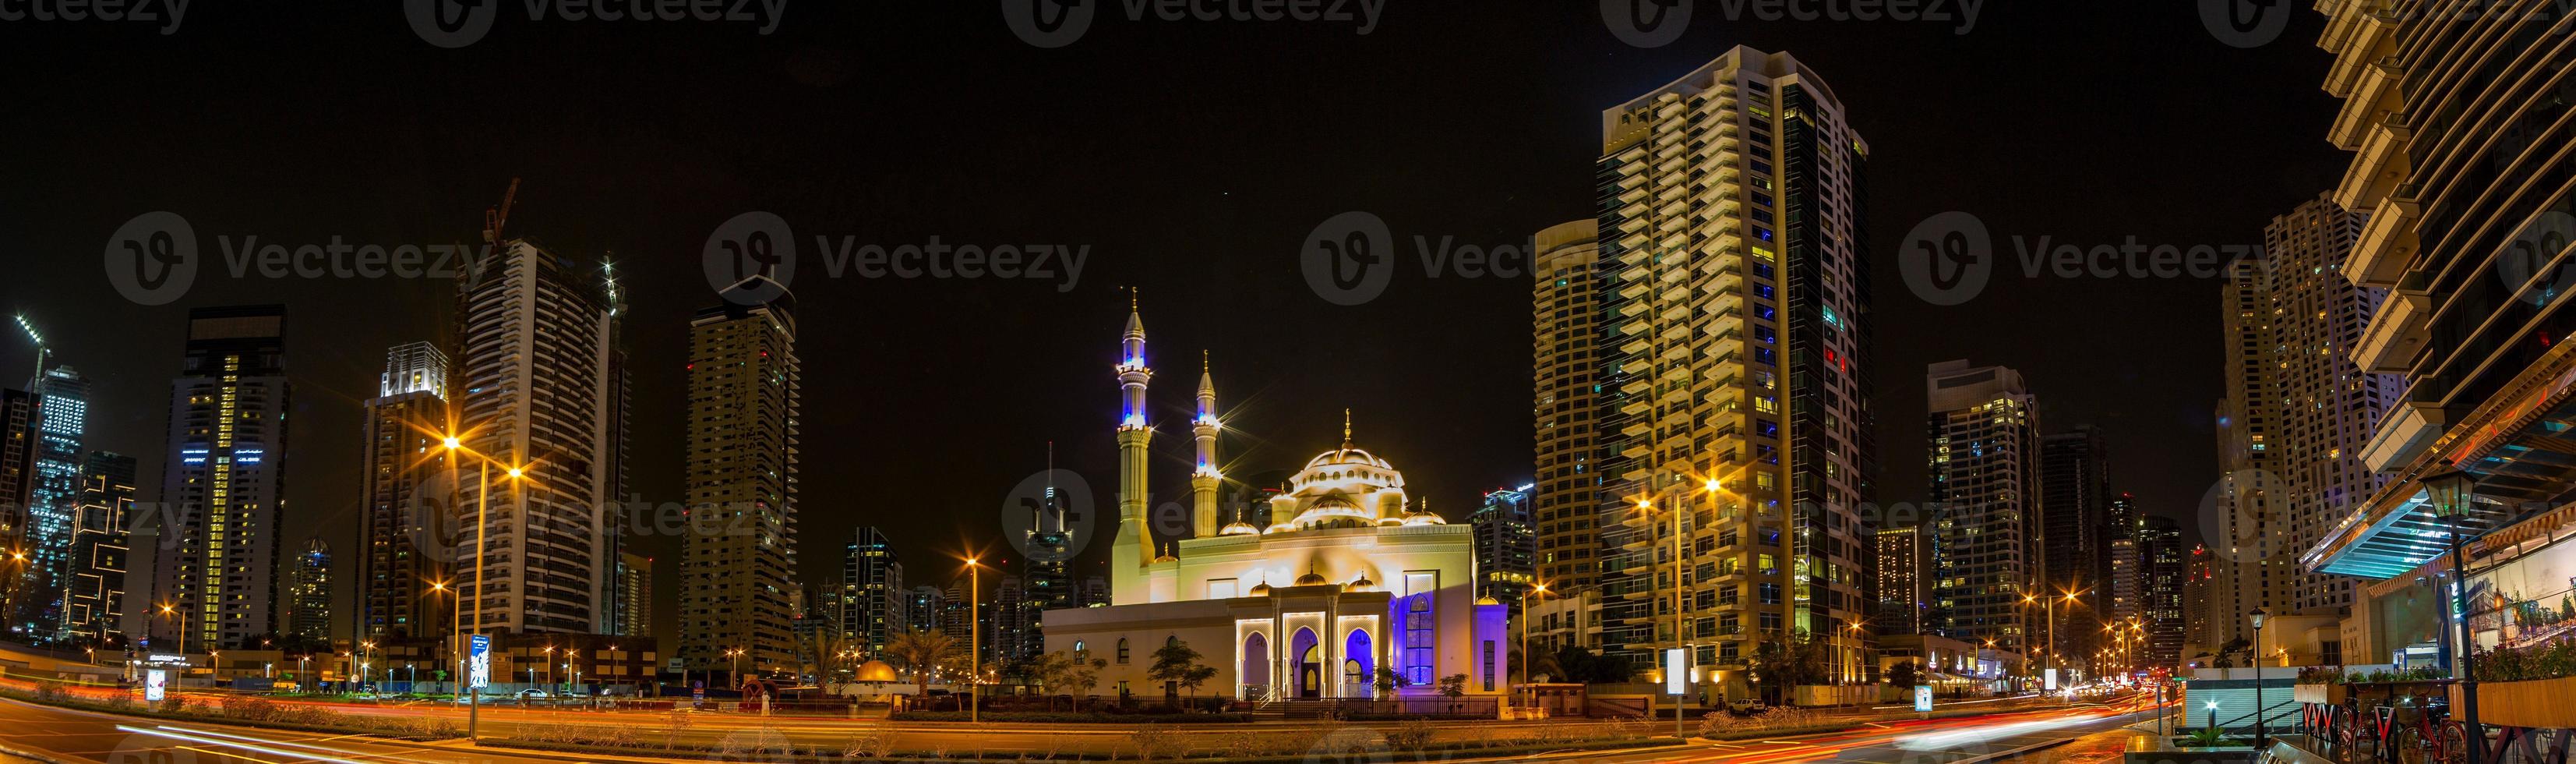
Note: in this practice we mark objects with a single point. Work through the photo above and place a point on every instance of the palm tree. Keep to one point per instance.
(817, 650)
(923, 652)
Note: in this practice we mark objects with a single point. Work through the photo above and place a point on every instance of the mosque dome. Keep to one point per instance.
(1360, 584)
(1332, 505)
(1238, 528)
(1260, 590)
(875, 671)
(1312, 578)
(1488, 600)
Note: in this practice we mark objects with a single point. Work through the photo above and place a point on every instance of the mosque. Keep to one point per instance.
(1353, 576)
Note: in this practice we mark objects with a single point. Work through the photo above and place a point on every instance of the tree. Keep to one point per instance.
(1785, 664)
(1544, 665)
(817, 651)
(1175, 663)
(1454, 685)
(1904, 674)
(1387, 680)
(1059, 671)
(923, 652)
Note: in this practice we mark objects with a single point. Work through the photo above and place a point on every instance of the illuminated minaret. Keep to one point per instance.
(1127, 556)
(1204, 480)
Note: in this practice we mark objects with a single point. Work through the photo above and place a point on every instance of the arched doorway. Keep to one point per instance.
(1359, 665)
(1307, 663)
(1255, 672)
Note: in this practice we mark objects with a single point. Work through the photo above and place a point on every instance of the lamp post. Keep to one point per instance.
(482, 505)
(1525, 619)
(974, 638)
(2257, 617)
(2452, 490)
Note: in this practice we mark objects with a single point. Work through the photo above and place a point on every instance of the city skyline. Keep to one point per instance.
(1211, 299)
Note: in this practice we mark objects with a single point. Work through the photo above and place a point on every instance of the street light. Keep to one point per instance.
(1525, 619)
(2452, 490)
(482, 504)
(2257, 617)
(974, 638)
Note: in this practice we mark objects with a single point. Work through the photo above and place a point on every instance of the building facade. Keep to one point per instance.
(539, 389)
(53, 502)
(2164, 569)
(1902, 575)
(1984, 452)
(1732, 419)
(868, 609)
(308, 593)
(101, 543)
(634, 603)
(1565, 496)
(216, 548)
(410, 494)
(738, 560)
(2298, 417)
(1506, 549)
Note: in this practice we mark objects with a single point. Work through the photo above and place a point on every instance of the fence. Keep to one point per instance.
(1472, 707)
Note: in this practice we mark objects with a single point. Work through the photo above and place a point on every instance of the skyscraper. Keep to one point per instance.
(2124, 572)
(633, 616)
(1050, 544)
(1506, 550)
(1566, 500)
(1903, 570)
(1984, 442)
(738, 560)
(309, 593)
(1734, 387)
(868, 609)
(217, 549)
(2160, 546)
(2200, 629)
(53, 502)
(409, 490)
(926, 609)
(539, 388)
(2298, 416)
(2073, 508)
(17, 477)
(1009, 637)
(99, 549)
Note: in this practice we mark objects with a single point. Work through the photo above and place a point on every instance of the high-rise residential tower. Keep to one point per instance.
(1732, 326)
(53, 501)
(2298, 416)
(1984, 444)
(538, 387)
(308, 593)
(868, 609)
(216, 547)
(633, 614)
(1506, 550)
(2160, 548)
(2074, 505)
(738, 560)
(1565, 501)
(18, 412)
(2124, 560)
(408, 527)
(100, 544)
(1904, 576)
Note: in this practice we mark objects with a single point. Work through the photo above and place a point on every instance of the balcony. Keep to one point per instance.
(2379, 168)
(2374, 96)
(2403, 434)
(2395, 334)
(2387, 245)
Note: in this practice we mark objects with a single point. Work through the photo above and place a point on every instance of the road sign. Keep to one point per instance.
(1923, 698)
(155, 683)
(479, 665)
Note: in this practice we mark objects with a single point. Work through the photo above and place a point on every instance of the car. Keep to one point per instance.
(1745, 706)
(533, 693)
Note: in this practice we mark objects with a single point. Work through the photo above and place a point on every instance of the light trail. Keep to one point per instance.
(176, 733)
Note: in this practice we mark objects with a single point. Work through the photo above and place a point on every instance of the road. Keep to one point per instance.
(81, 736)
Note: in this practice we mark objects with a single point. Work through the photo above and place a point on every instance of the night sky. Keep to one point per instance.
(1193, 158)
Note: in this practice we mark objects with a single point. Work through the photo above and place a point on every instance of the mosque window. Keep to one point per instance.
(1122, 650)
(1419, 646)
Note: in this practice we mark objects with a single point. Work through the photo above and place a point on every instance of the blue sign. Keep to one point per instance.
(1923, 698)
(479, 665)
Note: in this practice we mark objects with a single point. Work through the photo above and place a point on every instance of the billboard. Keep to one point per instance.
(155, 685)
(1923, 698)
(1674, 671)
(478, 670)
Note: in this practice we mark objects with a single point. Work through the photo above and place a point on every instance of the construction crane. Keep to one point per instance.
(42, 352)
(494, 217)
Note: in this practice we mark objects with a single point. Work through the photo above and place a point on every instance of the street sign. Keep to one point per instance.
(479, 665)
(155, 683)
(1923, 698)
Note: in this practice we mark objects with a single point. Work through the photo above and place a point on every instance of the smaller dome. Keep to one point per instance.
(1487, 601)
(1424, 518)
(1360, 584)
(875, 671)
(1238, 528)
(1336, 501)
(1167, 557)
(1312, 578)
(1260, 590)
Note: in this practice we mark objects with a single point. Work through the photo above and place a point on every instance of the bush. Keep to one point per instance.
(1165, 717)
(250, 709)
(175, 704)
(52, 692)
(1153, 741)
(1411, 736)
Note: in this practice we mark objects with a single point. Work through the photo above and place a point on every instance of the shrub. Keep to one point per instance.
(1154, 741)
(52, 692)
(250, 709)
(175, 704)
(1410, 736)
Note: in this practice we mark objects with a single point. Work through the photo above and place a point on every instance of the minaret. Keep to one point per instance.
(1127, 556)
(1204, 480)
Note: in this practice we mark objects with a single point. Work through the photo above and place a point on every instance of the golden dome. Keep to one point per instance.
(1487, 601)
(1238, 528)
(1360, 584)
(1260, 590)
(875, 671)
(1312, 578)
